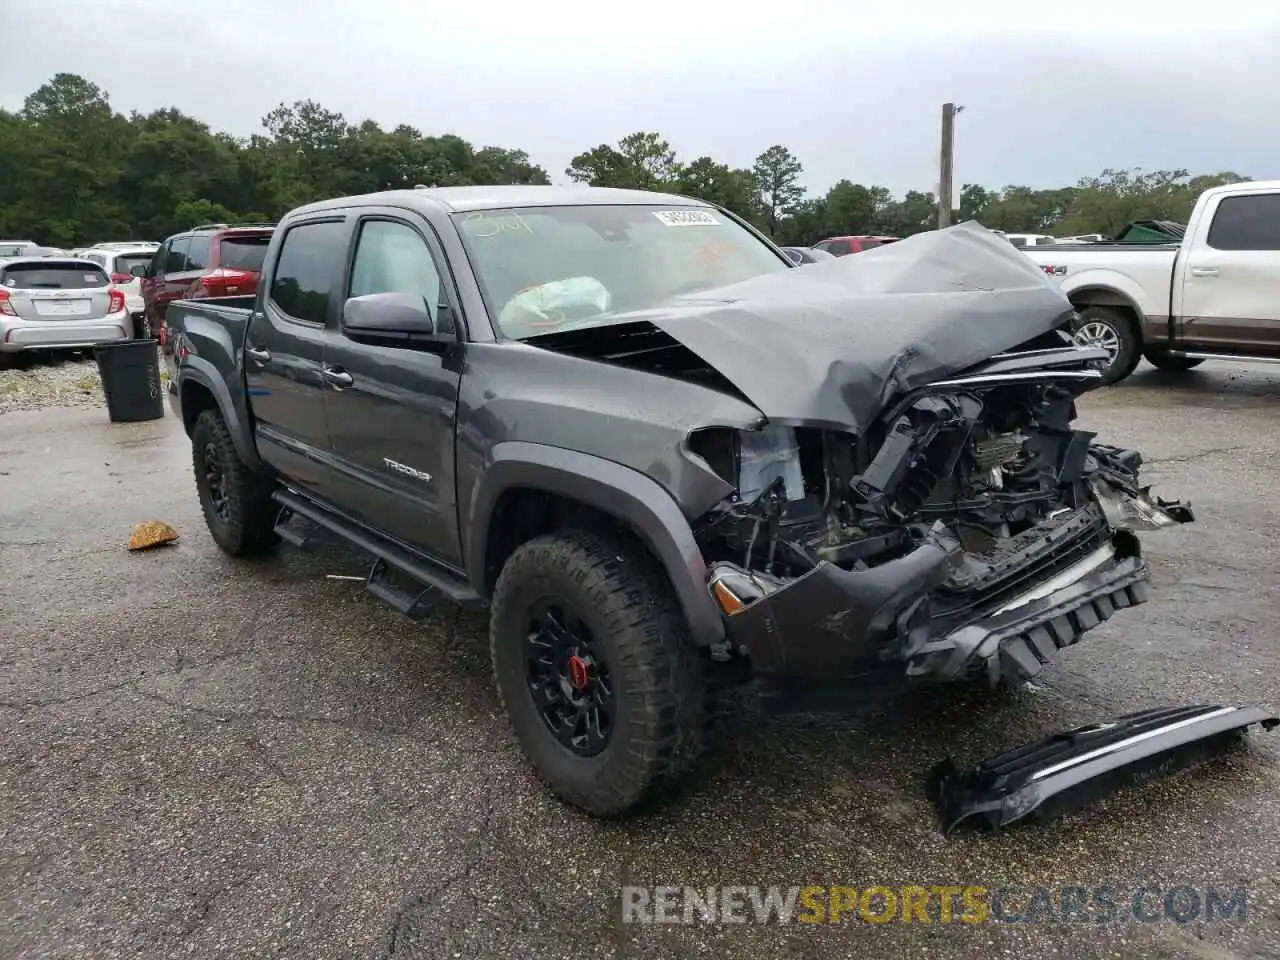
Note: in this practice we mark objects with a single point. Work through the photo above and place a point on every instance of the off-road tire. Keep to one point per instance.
(659, 677)
(1130, 344)
(249, 528)
(1163, 360)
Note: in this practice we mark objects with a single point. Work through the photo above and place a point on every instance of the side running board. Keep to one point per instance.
(388, 556)
(1071, 769)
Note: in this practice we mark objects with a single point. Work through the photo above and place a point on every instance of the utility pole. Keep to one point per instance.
(947, 156)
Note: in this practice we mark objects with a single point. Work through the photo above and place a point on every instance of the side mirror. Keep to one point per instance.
(391, 319)
(139, 270)
(795, 255)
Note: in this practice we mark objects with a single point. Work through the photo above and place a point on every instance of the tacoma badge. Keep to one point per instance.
(407, 471)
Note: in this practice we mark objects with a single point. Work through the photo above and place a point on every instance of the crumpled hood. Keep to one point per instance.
(829, 344)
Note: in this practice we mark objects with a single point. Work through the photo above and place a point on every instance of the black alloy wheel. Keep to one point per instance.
(568, 679)
(215, 483)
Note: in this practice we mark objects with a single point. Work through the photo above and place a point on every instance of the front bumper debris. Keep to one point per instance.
(1019, 638)
(832, 623)
(1071, 769)
(837, 624)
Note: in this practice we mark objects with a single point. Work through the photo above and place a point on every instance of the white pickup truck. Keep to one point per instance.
(1214, 296)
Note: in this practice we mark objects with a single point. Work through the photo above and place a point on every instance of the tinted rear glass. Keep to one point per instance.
(53, 276)
(127, 261)
(244, 253)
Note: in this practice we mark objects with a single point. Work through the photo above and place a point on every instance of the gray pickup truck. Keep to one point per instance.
(663, 456)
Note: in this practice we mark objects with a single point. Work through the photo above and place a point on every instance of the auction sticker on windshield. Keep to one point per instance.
(686, 218)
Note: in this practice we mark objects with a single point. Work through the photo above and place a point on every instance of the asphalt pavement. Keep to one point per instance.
(208, 758)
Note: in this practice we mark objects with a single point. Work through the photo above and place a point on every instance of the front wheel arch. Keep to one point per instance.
(517, 471)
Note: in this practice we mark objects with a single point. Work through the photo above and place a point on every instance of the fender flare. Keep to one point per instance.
(199, 371)
(640, 502)
(1108, 282)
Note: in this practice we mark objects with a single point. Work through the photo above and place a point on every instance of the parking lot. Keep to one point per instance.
(210, 758)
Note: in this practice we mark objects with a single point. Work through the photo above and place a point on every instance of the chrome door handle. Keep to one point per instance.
(258, 354)
(338, 377)
(1204, 271)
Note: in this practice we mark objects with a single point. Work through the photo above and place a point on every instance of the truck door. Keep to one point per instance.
(1229, 277)
(284, 347)
(391, 409)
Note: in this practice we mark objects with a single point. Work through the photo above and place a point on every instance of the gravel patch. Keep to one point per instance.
(58, 382)
(66, 380)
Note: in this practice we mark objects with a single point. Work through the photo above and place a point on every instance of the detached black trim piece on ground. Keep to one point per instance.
(1072, 769)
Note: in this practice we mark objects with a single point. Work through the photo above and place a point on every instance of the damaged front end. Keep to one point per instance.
(972, 531)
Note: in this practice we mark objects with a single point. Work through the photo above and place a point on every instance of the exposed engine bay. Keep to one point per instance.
(980, 492)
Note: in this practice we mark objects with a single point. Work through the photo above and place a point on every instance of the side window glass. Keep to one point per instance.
(840, 248)
(393, 258)
(176, 259)
(156, 269)
(310, 257)
(1246, 223)
(198, 253)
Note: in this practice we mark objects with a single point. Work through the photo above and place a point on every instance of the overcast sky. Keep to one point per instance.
(1052, 91)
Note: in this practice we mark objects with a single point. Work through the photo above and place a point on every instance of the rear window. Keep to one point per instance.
(53, 276)
(243, 253)
(127, 261)
(12, 249)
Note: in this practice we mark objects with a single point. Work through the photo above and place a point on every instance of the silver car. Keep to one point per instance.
(58, 304)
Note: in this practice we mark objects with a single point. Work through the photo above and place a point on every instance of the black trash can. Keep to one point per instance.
(131, 380)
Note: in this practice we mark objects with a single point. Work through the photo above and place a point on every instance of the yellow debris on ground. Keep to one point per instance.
(152, 533)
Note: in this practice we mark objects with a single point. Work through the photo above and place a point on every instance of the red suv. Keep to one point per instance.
(843, 246)
(211, 260)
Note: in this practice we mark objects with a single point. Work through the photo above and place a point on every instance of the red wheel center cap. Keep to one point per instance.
(578, 675)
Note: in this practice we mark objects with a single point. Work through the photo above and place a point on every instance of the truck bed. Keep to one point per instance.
(208, 336)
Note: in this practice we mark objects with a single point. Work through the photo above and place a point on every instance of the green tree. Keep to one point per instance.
(852, 209)
(653, 157)
(499, 165)
(602, 166)
(916, 212)
(716, 183)
(806, 225)
(73, 149)
(641, 161)
(778, 174)
(974, 201)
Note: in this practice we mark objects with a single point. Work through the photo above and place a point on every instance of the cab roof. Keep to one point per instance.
(466, 199)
